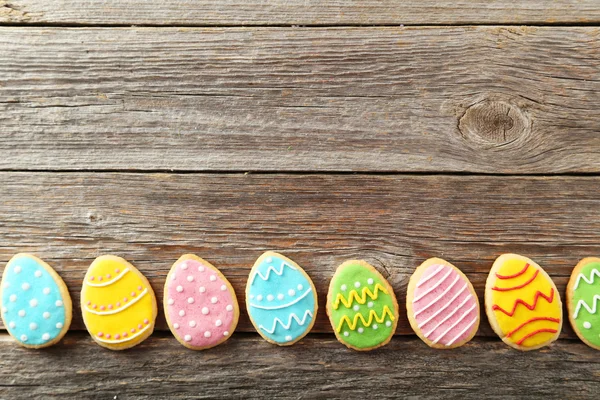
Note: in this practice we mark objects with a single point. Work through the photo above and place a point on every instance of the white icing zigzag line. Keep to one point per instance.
(265, 277)
(591, 310)
(289, 324)
(116, 278)
(118, 310)
(125, 339)
(590, 281)
(285, 305)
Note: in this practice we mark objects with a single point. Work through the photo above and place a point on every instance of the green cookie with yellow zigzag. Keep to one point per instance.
(361, 306)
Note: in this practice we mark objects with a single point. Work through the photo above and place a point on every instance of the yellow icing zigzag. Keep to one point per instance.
(372, 314)
(360, 298)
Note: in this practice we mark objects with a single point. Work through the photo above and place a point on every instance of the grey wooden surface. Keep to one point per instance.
(321, 129)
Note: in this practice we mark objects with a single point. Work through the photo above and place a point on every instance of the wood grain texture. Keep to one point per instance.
(434, 99)
(298, 12)
(393, 222)
(317, 367)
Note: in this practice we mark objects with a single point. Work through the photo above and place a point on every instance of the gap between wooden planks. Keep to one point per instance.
(502, 100)
(319, 220)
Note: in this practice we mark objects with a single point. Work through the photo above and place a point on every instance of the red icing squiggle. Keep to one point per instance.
(519, 286)
(538, 294)
(535, 333)
(532, 320)
(521, 272)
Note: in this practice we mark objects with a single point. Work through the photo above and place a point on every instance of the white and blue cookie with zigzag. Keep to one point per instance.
(281, 299)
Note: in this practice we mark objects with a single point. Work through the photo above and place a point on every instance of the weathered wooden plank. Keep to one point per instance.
(393, 222)
(299, 12)
(475, 99)
(317, 367)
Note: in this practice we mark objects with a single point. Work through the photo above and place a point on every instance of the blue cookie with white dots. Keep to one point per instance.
(36, 306)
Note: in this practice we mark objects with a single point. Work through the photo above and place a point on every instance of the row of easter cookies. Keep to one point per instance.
(119, 305)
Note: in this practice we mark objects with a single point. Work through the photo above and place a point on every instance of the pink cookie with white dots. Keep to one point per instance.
(200, 304)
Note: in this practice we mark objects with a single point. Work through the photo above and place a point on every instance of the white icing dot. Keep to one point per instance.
(184, 265)
(37, 273)
(229, 307)
(388, 323)
(374, 326)
(187, 338)
(176, 325)
(173, 277)
(587, 325)
(59, 325)
(170, 302)
(370, 281)
(17, 269)
(356, 308)
(4, 309)
(291, 292)
(204, 310)
(360, 330)
(269, 260)
(207, 334)
(33, 326)
(33, 302)
(370, 304)
(214, 300)
(181, 313)
(223, 288)
(201, 268)
(13, 298)
(22, 313)
(46, 336)
(212, 278)
(280, 296)
(190, 300)
(356, 284)
(288, 338)
(190, 278)
(346, 333)
(344, 287)
(202, 289)
(46, 291)
(218, 322)
(23, 338)
(25, 286)
(58, 303)
(300, 287)
(179, 288)
(193, 324)
(259, 297)
(46, 315)
(270, 297)
(12, 324)
(226, 333)
(251, 296)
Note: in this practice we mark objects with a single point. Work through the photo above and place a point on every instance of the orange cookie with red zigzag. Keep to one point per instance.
(522, 303)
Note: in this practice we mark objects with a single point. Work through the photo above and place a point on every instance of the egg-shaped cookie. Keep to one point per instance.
(441, 305)
(118, 303)
(36, 305)
(281, 299)
(361, 306)
(522, 303)
(200, 304)
(583, 296)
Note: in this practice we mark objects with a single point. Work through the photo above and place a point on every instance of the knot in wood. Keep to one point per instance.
(494, 122)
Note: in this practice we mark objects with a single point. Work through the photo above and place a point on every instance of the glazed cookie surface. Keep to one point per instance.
(281, 299)
(583, 296)
(522, 303)
(36, 305)
(361, 306)
(441, 304)
(118, 303)
(200, 304)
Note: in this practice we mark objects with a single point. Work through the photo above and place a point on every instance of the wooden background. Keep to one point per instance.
(391, 131)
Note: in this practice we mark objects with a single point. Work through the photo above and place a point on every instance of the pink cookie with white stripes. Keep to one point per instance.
(200, 304)
(441, 304)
